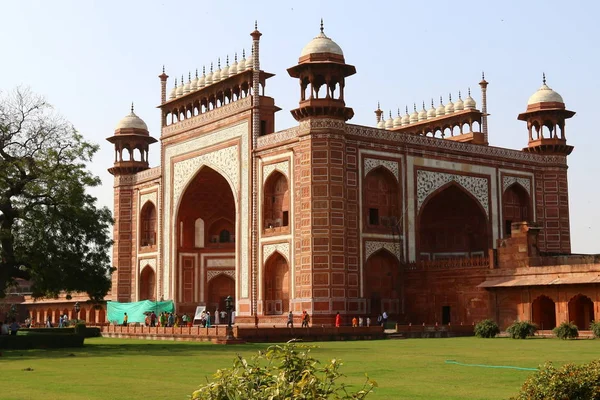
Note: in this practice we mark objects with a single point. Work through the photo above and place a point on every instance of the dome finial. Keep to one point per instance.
(243, 54)
(406, 110)
(415, 107)
(432, 103)
(423, 105)
(189, 76)
(204, 70)
(219, 62)
(441, 100)
(450, 97)
(228, 60)
(544, 77)
(175, 82)
(469, 92)
(378, 106)
(482, 76)
(398, 111)
(390, 114)
(196, 72)
(211, 67)
(163, 68)
(255, 25)
(235, 57)
(459, 97)
(322, 29)
(132, 107)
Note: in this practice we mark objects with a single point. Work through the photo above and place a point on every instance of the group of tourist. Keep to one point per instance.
(305, 319)
(360, 321)
(165, 319)
(6, 329)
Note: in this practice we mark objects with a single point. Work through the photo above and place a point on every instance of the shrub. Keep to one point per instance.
(521, 329)
(42, 341)
(284, 371)
(566, 330)
(486, 329)
(595, 327)
(571, 382)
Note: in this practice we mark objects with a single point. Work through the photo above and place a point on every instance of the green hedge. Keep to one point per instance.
(44, 341)
(81, 329)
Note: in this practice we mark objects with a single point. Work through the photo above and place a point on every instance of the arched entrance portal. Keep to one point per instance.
(206, 228)
(219, 288)
(381, 277)
(543, 312)
(147, 284)
(452, 225)
(581, 311)
(277, 285)
(515, 207)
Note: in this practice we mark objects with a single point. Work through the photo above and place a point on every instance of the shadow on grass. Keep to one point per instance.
(154, 348)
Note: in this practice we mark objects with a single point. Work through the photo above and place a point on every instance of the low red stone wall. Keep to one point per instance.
(194, 333)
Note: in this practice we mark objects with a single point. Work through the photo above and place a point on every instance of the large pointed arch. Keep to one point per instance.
(148, 223)
(205, 220)
(381, 283)
(452, 223)
(147, 284)
(219, 287)
(516, 206)
(381, 201)
(277, 284)
(276, 202)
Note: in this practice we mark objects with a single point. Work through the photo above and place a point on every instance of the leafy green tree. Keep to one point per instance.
(51, 231)
(285, 371)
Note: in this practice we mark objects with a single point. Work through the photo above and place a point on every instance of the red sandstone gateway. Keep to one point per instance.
(418, 216)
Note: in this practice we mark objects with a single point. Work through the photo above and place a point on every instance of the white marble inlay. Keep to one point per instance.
(429, 181)
(509, 180)
(372, 163)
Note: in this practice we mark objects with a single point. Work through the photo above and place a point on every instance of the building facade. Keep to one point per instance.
(418, 216)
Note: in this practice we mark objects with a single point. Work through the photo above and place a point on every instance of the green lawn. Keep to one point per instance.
(405, 369)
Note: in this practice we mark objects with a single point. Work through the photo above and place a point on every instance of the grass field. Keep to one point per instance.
(404, 369)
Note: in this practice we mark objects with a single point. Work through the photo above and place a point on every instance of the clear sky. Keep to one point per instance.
(91, 59)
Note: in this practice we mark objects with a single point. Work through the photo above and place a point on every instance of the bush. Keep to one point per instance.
(571, 382)
(486, 329)
(566, 330)
(521, 329)
(595, 327)
(42, 341)
(284, 371)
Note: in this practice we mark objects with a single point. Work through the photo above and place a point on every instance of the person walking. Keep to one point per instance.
(125, 319)
(305, 319)
(14, 327)
(384, 317)
(290, 319)
(338, 320)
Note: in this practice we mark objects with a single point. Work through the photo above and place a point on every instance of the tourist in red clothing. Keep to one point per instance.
(338, 320)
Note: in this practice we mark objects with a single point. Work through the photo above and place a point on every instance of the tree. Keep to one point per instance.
(51, 231)
(284, 371)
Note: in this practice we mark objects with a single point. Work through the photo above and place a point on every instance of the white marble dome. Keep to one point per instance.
(545, 95)
(381, 124)
(470, 103)
(459, 105)
(398, 120)
(406, 118)
(431, 111)
(132, 121)
(321, 44)
(441, 110)
(389, 124)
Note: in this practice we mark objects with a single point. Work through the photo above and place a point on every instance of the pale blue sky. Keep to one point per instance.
(91, 59)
